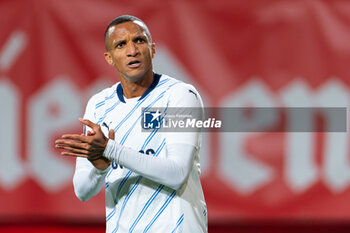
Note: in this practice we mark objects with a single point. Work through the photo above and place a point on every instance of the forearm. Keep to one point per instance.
(171, 170)
(87, 180)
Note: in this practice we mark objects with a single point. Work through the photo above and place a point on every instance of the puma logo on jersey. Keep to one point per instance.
(190, 91)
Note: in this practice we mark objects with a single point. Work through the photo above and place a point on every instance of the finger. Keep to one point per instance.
(111, 134)
(72, 149)
(73, 144)
(76, 137)
(73, 154)
(89, 123)
(91, 133)
(62, 141)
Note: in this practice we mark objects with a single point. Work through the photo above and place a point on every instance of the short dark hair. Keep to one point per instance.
(123, 19)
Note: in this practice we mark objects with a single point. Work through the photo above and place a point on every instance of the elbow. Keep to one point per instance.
(176, 186)
(86, 185)
(81, 197)
(80, 191)
(179, 182)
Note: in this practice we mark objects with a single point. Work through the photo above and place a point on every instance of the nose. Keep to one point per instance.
(132, 50)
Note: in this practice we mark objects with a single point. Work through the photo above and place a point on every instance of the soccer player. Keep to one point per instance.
(151, 178)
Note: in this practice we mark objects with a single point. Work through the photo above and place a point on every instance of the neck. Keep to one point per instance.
(135, 89)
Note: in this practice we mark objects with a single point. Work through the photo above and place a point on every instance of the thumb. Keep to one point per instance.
(111, 134)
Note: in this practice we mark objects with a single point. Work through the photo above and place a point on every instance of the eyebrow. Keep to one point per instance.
(142, 36)
(115, 42)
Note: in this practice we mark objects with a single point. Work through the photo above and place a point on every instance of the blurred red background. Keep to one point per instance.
(263, 53)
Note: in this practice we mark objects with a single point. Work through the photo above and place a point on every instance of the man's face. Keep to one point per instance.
(130, 50)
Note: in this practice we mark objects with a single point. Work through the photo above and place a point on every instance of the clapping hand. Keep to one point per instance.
(90, 146)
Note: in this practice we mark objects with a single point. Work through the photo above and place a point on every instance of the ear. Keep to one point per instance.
(108, 58)
(153, 49)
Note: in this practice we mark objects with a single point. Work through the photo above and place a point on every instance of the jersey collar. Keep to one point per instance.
(119, 90)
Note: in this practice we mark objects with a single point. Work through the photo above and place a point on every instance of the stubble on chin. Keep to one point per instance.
(136, 78)
(133, 79)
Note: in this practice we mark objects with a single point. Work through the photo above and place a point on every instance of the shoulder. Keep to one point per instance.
(181, 93)
(174, 84)
(102, 96)
(166, 82)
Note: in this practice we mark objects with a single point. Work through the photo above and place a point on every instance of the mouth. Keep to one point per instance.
(134, 64)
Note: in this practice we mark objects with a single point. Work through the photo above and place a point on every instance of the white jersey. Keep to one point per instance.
(135, 203)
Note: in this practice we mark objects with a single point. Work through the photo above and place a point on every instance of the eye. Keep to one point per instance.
(120, 45)
(140, 40)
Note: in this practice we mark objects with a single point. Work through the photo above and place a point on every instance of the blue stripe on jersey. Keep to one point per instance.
(110, 214)
(111, 96)
(127, 134)
(148, 203)
(121, 185)
(145, 109)
(117, 194)
(140, 102)
(135, 107)
(107, 111)
(160, 211)
(110, 171)
(128, 174)
(159, 149)
(126, 200)
(137, 120)
(129, 114)
(100, 120)
(101, 103)
(111, 108)
(178, 223)
(123, 140)
(148, 139)
(156, 192)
